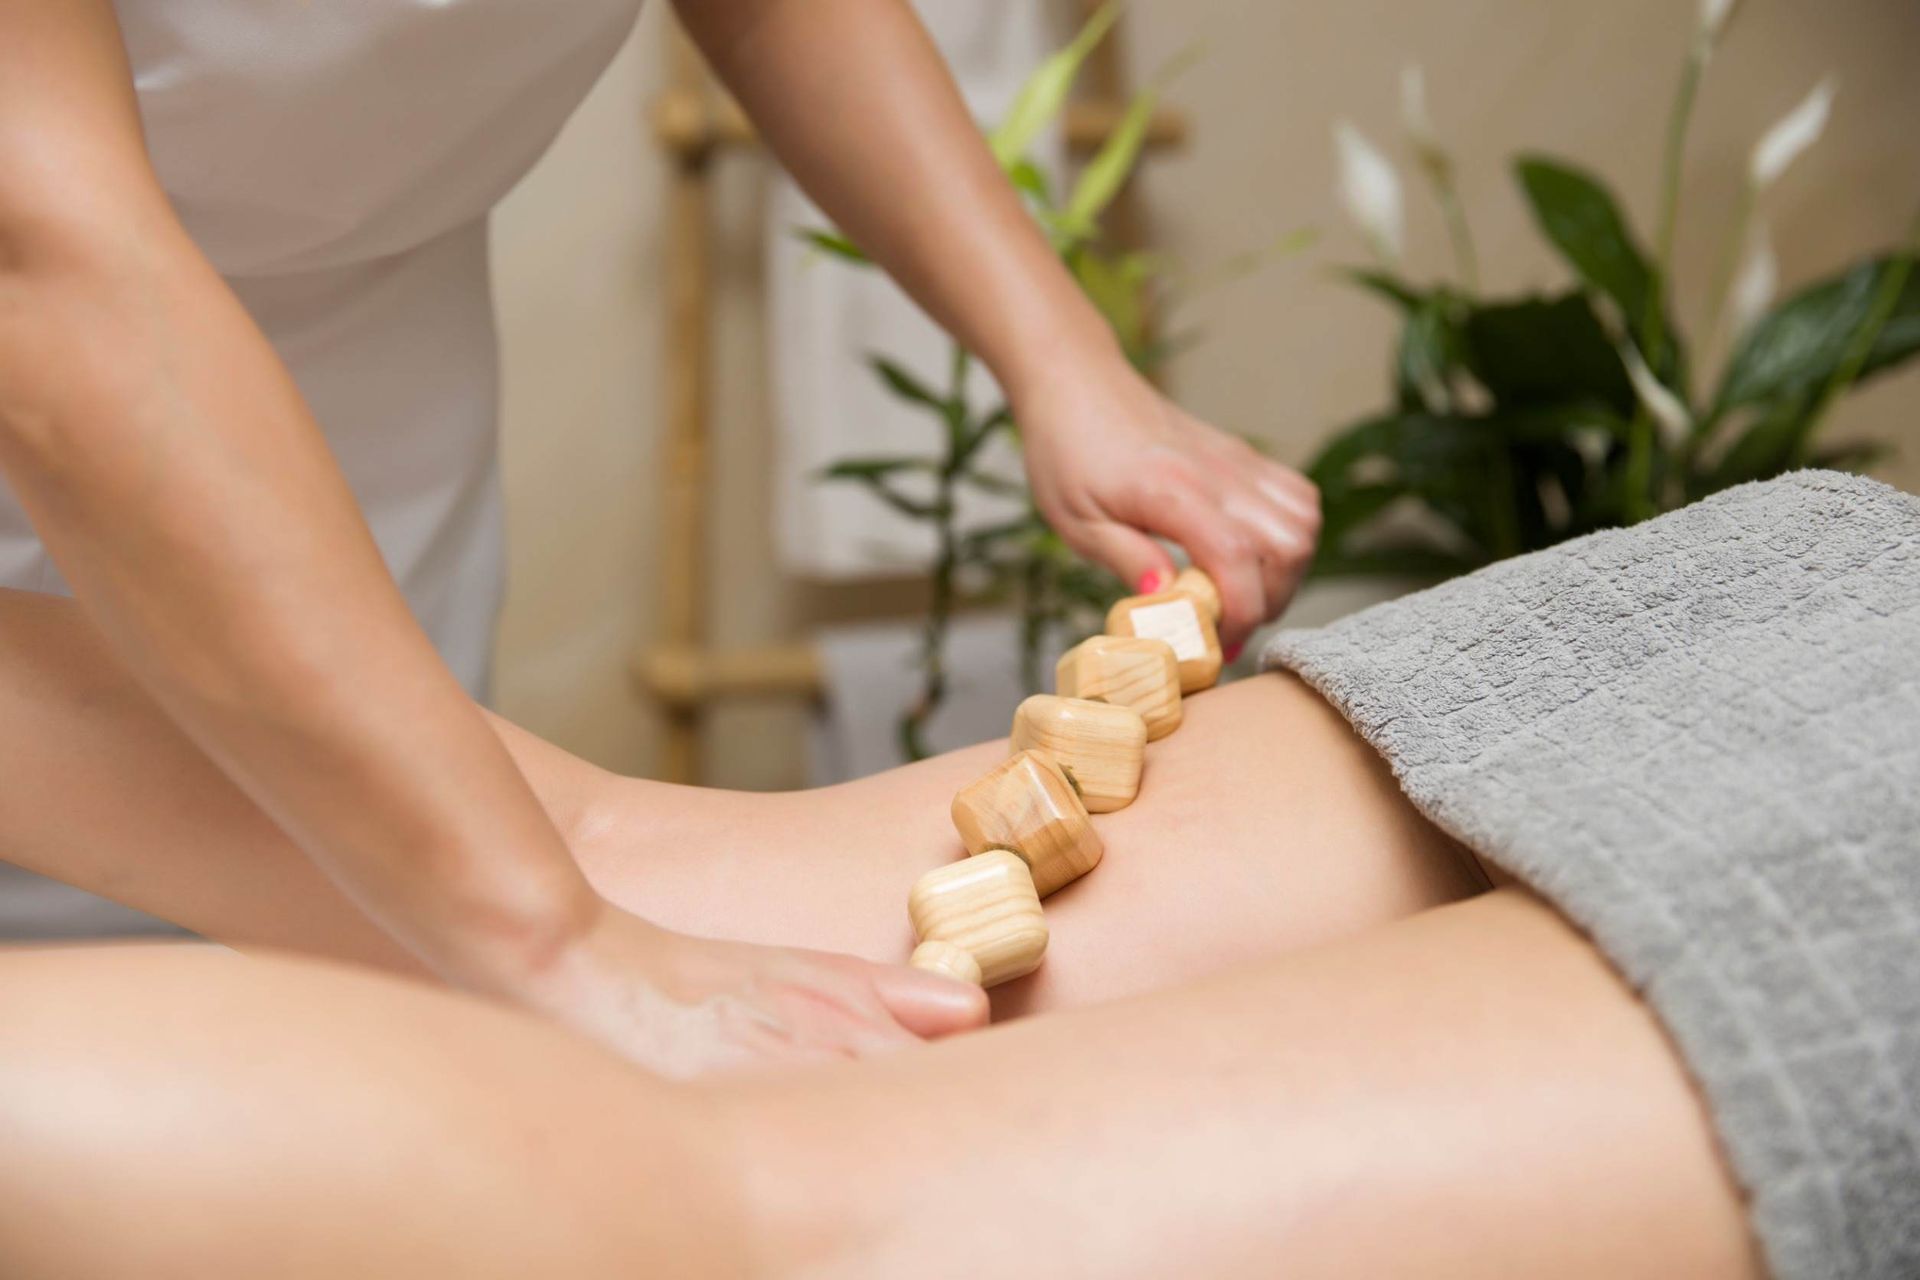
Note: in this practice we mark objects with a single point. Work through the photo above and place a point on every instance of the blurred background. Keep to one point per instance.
(585, 251)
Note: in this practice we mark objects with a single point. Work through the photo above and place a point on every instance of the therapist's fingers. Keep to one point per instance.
(1226, 547)
(1282, 528)
(1132, 555)
(929, 1005)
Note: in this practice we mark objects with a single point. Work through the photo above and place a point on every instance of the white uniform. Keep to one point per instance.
(335, 160)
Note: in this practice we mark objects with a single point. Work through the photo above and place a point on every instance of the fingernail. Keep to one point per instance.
(1233, 651)
(1151, 581)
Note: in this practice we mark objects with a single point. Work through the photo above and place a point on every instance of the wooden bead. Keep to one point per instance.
(1194, 582)
(986, 907)
(1176, 618)
(1141, 674)
(1098, 745)
(936, 956)
(1026, 805)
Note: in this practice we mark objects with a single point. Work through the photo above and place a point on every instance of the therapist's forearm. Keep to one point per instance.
(104, 792)
(858, 105)
(170, 466)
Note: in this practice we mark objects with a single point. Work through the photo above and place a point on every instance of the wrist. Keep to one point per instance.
(1081, 346)
(507, 938)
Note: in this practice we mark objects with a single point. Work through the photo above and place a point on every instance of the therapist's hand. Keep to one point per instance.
(687, 1007)
(1112, 462)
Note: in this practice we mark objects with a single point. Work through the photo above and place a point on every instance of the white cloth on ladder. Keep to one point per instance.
(825, 318)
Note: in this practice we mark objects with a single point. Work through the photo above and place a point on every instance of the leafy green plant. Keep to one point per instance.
(1518, 422)
(1022, 560)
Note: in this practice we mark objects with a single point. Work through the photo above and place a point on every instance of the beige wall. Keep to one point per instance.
(1286, 356)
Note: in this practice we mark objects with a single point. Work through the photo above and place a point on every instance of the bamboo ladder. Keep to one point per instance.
(695, 124)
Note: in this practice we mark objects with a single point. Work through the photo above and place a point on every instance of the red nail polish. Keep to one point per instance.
(1152, 581)
(1233, 652)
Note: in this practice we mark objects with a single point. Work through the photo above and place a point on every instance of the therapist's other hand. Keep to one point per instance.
(686, 1007)
(1113, 462)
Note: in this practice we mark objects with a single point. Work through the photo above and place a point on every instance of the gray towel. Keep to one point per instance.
(1700, 739)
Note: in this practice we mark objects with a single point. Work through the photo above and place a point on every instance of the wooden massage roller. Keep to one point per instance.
(1026, 824)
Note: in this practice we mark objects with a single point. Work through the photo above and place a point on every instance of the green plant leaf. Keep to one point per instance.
(874, 473)
(1089, 586)
(998, 486)
(1392, 288)
(1579, 216)
(1546, 351)
(972, 441)
(1357, 505)
(864, 468)
(1100, 181)
(1027, 177)
(1797, 347)
(1560, 423)
(1116, 285)
(1432, 351)
(905, 385)
(1487, 478)
(1044, 95)
(1771, 444)
(1419, 563)
(978, 542)
(1442, 460)
(833, 244)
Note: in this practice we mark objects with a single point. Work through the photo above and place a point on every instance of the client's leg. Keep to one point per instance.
(1469, 1093)
(1263, 824)
(186, 1111)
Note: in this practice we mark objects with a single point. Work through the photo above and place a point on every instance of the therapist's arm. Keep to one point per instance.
(167, 460)
(857, 103)
(105, 793)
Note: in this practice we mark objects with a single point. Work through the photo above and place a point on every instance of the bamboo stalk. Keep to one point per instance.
(683, 544)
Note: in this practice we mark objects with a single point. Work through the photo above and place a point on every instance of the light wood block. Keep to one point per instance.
(1182, 622)
(987, 908)
(1140, 674)
(1027, 806)
(1099, 746)
(936, 956)
(1194, 582)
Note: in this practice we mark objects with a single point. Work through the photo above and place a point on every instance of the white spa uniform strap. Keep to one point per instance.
(335, 160)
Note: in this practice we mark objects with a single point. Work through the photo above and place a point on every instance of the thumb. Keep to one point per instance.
(928, 1004)
(1139, 561)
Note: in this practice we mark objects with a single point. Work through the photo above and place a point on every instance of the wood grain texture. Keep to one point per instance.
(1141, 674)
(1026, 805)
(1181, 621)
(1194, 582)
(985, 906)
(1100, 746)
(957, 962)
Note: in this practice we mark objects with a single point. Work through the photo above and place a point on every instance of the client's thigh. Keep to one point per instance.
(1469, 1093)
(185, 1111)
(1263, 825)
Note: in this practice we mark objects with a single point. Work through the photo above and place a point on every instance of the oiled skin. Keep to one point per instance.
(1291, 1052)
(1468, 1093)
(1263, 825)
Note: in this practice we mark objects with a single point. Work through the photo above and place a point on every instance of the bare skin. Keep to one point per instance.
(1470, 1093)
(105, 794)
(188, 495)
(1473, 1075)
